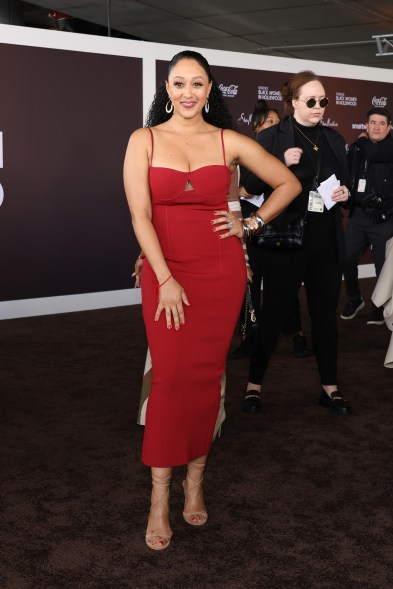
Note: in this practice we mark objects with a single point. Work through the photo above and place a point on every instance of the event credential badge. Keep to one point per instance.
(315, 202)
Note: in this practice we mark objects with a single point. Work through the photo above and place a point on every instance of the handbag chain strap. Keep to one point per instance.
(248, 308)
(249, 304)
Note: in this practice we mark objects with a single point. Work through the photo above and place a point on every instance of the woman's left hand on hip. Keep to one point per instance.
(226, 221)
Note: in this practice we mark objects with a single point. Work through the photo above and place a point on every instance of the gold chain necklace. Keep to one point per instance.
(314, 145)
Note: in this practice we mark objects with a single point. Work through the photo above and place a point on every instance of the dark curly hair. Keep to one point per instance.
(218, 114)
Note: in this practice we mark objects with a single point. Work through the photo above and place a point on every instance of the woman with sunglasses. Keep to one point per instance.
(313, 153)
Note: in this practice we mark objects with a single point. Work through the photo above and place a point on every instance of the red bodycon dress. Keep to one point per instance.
(188, 363)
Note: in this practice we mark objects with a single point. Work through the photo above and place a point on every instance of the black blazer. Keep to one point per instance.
(276, 140)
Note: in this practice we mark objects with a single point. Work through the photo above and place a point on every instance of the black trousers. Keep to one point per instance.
(360, 232)
(292, 323)
(316, 264)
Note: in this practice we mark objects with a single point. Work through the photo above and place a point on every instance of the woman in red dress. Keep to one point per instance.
(177, 174)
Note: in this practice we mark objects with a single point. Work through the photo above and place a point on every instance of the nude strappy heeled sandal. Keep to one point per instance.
(153, 539)
(196, 518)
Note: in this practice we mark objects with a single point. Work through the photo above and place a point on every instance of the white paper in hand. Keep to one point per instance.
(326, 188)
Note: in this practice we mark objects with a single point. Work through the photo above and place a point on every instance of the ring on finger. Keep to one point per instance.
(230, 225)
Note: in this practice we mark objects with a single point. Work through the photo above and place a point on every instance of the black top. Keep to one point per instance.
(321, 161)
(333, 160)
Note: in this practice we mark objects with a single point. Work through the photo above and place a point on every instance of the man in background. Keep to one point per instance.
(371, 206)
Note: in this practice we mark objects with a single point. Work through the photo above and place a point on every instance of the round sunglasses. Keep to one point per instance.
(311, 102)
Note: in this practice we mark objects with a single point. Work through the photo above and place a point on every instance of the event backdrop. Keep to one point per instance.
(65, 121)
(349, 99)
(64, 223)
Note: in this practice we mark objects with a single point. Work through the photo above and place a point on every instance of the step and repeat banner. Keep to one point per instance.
(349, 100)
(66, 116)
(64, 222)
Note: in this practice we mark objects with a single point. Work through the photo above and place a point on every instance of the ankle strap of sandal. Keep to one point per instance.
(200, 466)
(161, 481)
(197, 467)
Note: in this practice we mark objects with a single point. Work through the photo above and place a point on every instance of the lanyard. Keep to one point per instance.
(317, 165)
(317, 169)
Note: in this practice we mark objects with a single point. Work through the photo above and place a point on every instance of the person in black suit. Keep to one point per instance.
(371, 206)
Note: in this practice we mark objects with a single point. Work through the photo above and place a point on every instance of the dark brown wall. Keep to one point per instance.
(66, 118)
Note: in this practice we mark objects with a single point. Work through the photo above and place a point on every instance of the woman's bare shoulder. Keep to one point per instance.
(141, 134)
(140, 140)
(235, 136)
(237, 144)
(139, 145)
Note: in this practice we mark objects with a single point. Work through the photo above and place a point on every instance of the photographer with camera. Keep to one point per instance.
(371, 206)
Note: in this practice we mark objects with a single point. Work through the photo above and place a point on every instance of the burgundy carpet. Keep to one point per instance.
(297, 497)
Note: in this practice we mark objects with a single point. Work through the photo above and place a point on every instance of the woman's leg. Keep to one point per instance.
(194, 507)
(282, 277)
(293, 322)
(323, 283)
(293, 327)
(159, 533)
(283, 273)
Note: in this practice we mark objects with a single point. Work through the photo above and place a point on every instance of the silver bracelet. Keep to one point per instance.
(246, 231)
(257, 228)
(260, 223)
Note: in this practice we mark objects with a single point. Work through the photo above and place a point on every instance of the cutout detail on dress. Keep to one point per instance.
(189, 186)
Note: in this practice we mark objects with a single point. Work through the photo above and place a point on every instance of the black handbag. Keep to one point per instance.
(283, 238)
(250, 332)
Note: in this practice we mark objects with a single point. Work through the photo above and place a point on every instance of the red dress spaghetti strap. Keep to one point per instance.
(188, 363)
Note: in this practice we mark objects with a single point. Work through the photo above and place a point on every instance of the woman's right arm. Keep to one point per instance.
(265, 138)
(242, 150)
(136, 184)
(269, 170)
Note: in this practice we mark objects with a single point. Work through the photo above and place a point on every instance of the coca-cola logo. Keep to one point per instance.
(381, 102)
(229, 91)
